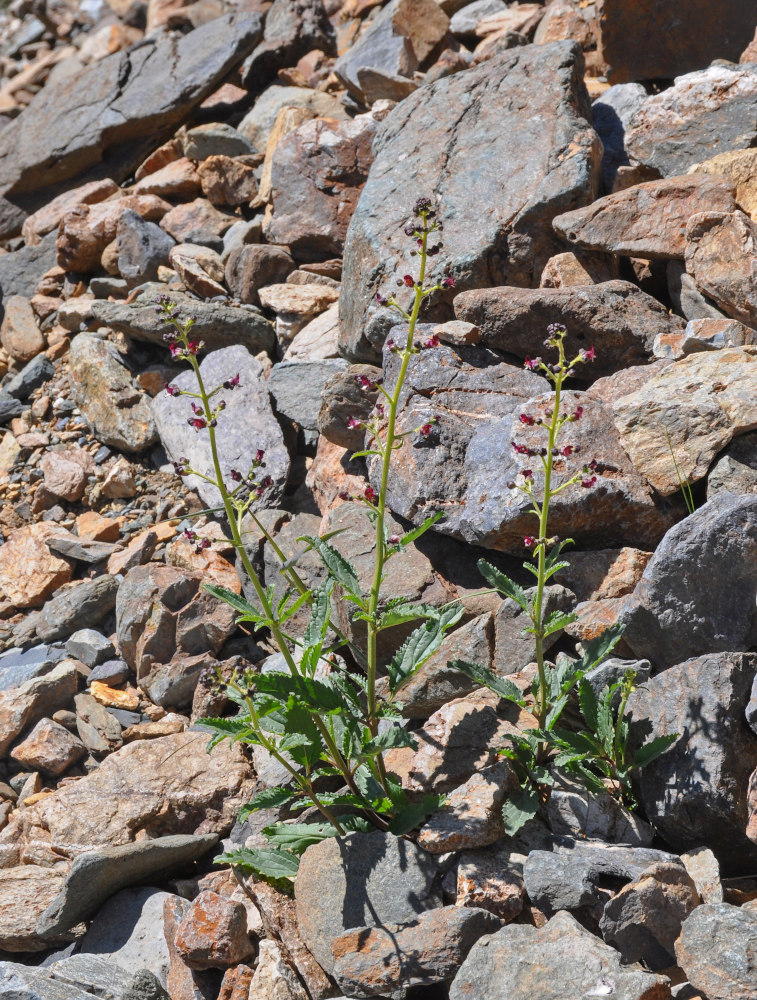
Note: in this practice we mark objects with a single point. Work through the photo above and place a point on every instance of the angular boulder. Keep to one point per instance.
(716, 951)
(721, 256)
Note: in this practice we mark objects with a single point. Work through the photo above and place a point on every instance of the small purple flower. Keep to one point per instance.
(448, 282)
(425, 429)
(588, 482)
(527, 420)
(578, 413)
(529, 541)
(520, 449)
(235, 475)
(432, 341)
(203, 543)
(393, 540)
(197, 422)
(197, 409)
(172, 390)
(232, 383)
(370, 494)
(189, 534)
(531, 363)
(353, 423)
(408, 280)
(259, 454)
(588, 355)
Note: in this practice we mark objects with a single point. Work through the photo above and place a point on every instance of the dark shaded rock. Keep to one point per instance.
(611, 114)
(464, 466)
(22, 270)
(371, 961)
(473, 122)
(317, 174)
(10, 407)
(573, 812)
(644, 919)
(105, 119)
(716, 951)
(647, 220)
(104, 978)
(102, 387)
(95, 876)
(704, 113)
(361, 880)
(249, 268)
(646, 39)
(90, 647)
(697, 592)
(18, 666)
(615, 317)
(245, 426)
(32, 376)
(219, 324)
(685, 297)
(695, 792)
(297, 388)
(292, 29)
(142, 247)
(556, 961)
(81, 606)
(344, 397)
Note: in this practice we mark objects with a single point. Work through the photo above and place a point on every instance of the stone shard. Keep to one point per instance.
(105, 119)
(470, 125)
(696, 594)
(695, 793)
(704, 113)
(647, 220)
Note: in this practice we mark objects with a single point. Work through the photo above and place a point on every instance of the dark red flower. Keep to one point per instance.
(235, 475)
(259, 456)
(197, 409)
(173, 390)
(578, 413)
(393, 540)
(567, 451)
(425, 429)
(529, 541)
(408, 280)
(232, 383)
(448, 282)
(531, 363)
(588, 482)
(197, 422)
(353, 423)
(432, 341)
(370, 494)
(521, 449)
(588, 355)
(528, 421)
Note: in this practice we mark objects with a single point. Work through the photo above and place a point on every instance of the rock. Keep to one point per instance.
(721, 256)
(33, 700)
(735, 469)
(612, 112)
(360, 880)
(104, 978)
(215, 139)
(93, 526)
(738, 169)
(247, 423)
(25, 890)
(19, 333)
(102, 388)
(567, 881)
(688, 413)
(127, 932)
(297, 388)
(32, 376)
(472, 814)
(213, 933)
(249, 268)
(671, 614)
(47, 218)
(644, 39)
(604, 573)
(565, 270)
(29, 571)
(106, 695)
(318, 172)
(217, 323)
(540, 184)
(200, 268)
(24, 983)
(86, 231)
(465, 21)
(558, 960)
(694, 793)
(17, 666)
(98, 730)
(142, 247)
(292, 29)
(228, 181)
(572, 811)
(178, 180)
(21, 271)
(513, 648)
(141, 791)
(296, 305)
(259, 121)
(49, 748)
(704, 113)
(96, 876)
(465, 465)
(65, 474)
(119, 483)
(647, 220)
(344, 397)
(318, 339)
(134, 100)
(615, 317)
(705, 335)
(492, 880)
(643, 921)
(83, 605)
(396, 42)
(273, 976)
(372, 961)
(715, 950)
(703, 867)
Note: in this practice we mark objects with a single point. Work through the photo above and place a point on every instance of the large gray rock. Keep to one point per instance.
(704, 113)
(81, 606)
(259, 120)
(245, 426)
(696, 792)
(219, 324)
(20, 982)
(292, 28)
(615, 317)
(465, 465)
(102, 387)
(716, 951)
(361, 880)
(557, 961)
(696, 594)
(297, 388)
(527, 109)
(105, 119)
(105, 979)
(97, 875)
(20, 271)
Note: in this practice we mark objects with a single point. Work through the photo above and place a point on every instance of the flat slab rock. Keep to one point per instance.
(557, 961)
(127, 102)
(526, 108)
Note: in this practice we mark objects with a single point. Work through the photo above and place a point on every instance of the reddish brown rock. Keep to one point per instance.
(581, 268)
(237, 981)
(492, 880)
(605, 573)
(177, 180)
(721, 256)
(739, 168)
(19, 333)
(213, 933)
(648, 220)
(85, 231)
(472, 814)
(47, 218)
(94, 526)
(25, 892)
(199, 268)
(29, 571)
(318, 171)
(196, 221)
(49, 747)
(228, 180)
(250, 268)
(66, 473)
(23, 706)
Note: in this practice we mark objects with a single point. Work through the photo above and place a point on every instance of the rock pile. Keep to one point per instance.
(593, 164)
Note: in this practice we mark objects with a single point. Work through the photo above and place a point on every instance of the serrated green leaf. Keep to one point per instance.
(235, 601)
(421, 529)
(521, 806)
(487, 678)
(606, 721)
(296, 837)
(420, 645)
(587, 701)
(235, 729)
(320, 615)
(340, 568)
(591, 782)
(311, 692)
(413, 815)
(367, 785)
(402, 613)
(598, 649)
(503, 584)
(269, 798)
(391, 739)
(557, 621)
(265, 861)
(652, 750)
